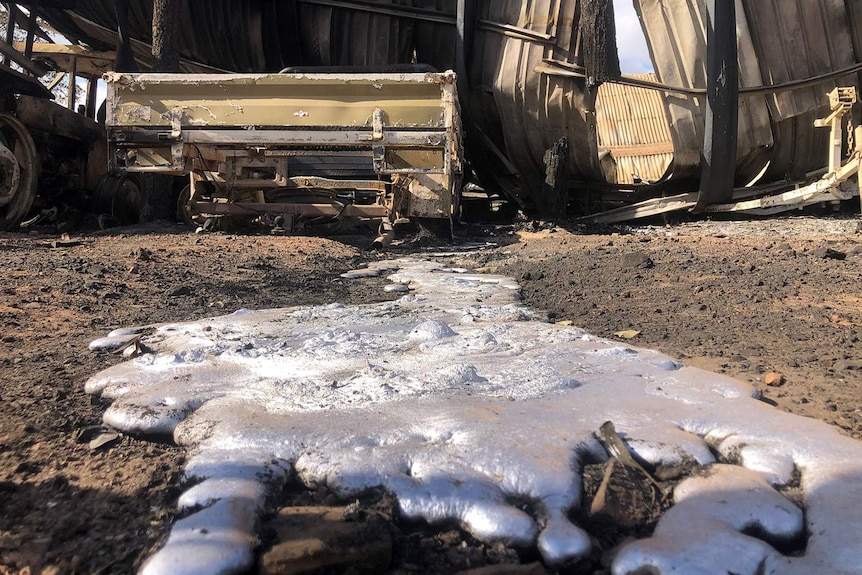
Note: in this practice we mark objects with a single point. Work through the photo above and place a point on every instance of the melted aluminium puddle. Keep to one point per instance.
(463, 403)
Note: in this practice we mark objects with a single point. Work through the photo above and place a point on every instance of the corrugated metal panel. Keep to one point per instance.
(528, 111)
(799, 39)
(676, 35)
(778, 40)
(633, 126)
(522, 111)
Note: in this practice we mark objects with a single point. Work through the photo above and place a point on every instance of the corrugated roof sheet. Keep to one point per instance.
(632, 124)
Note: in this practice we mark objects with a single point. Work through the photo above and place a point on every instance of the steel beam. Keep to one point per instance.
(125, 60)
(720, 135)
(307, 210)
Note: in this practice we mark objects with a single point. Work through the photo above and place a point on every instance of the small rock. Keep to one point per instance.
(829, 254)
(180, 291)
(773, 379)
(106, 439)
(637, 260)
(848, 365)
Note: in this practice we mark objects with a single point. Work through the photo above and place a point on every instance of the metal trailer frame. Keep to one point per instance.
(396, 139)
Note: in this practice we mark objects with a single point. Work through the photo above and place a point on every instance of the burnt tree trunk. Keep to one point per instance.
(158, 188)
(598, 30)
(166, 27)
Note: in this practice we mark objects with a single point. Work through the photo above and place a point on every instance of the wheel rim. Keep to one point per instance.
(184, 213)
(19, 171)
(10, 175)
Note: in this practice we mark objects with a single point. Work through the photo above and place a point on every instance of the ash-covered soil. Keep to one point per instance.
(773, 302)
(777, 298)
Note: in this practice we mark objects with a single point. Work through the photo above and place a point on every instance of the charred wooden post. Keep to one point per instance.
(166, 58)
(166, 21)
(720, 137)
(73, 83)
(599, 37)
(125, 60)
(555, 192)
(91, 97)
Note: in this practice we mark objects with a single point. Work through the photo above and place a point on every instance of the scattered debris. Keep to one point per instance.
(65, 242)
(107, 439)
(773, 379)
(627, 334)
(142, 254)
(320, 539)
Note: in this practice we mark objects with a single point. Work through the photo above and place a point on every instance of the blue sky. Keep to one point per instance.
(634, 57)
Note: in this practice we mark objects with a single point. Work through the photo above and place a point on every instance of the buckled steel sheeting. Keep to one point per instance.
(779, 41)
(521, 112)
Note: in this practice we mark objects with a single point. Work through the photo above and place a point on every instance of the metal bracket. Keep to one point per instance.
(841, 101)
(176, 123)
(378, 123)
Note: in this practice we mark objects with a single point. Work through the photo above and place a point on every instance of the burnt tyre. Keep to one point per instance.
(19, 172)
(120, 196)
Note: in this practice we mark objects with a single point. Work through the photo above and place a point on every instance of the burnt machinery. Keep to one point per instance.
(294, 149)
(52, 156)
(531, 77)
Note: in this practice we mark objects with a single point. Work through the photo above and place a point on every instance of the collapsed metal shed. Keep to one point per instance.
(523, 82)
(632, 127)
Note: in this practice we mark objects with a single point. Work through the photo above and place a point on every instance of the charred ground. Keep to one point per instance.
(745, 299)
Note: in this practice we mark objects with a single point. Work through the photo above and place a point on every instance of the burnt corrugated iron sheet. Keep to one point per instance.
(524, 111)
(632, 125)
(520, 111)
(778, 40)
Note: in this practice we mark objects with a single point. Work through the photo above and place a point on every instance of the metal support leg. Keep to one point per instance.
(124, 60)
